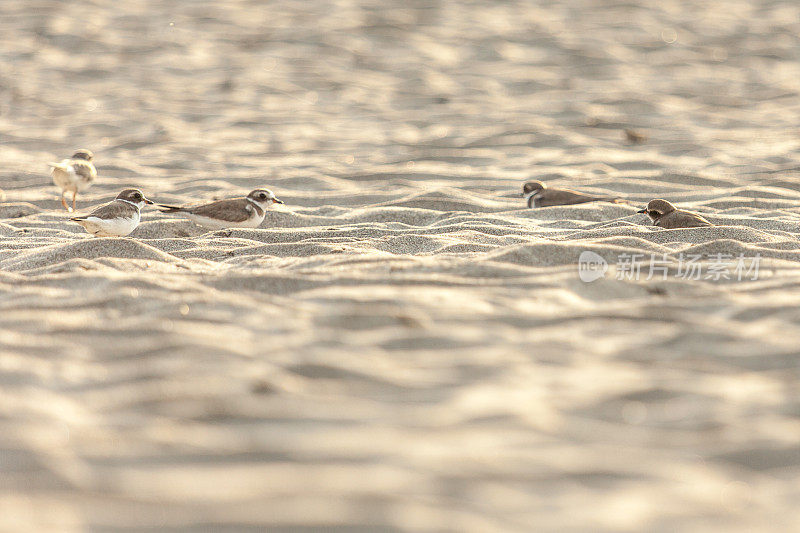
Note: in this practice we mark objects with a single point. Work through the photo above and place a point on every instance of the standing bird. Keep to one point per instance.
(74, 174)
(540, 195)
(247, 212)
(117, 218)
(664, 215)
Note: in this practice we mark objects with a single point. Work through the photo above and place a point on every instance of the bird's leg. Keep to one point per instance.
(74, 195)
(64, 201)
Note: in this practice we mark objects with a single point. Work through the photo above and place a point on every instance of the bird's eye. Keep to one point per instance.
(262, 196)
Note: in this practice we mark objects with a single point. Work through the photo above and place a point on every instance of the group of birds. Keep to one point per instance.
(661, 212)
(122, 215)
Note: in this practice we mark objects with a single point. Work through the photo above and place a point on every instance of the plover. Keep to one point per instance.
(540, 195)
(117, 218)
(247, 212)
(664, 215)
(75, 174)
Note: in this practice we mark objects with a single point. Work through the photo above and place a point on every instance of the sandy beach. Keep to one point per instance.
(403, 345)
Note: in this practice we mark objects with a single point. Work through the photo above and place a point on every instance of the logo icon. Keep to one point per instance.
(591, 266)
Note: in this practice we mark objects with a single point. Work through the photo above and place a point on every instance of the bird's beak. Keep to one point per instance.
(642, 210)
(275, 200)
(522, 194)
(148, 202)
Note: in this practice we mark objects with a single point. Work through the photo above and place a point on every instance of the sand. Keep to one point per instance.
(403, 346)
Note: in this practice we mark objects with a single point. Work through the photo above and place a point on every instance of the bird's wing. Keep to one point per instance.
(697, 221)
(232, 210)
(683, 219)
(85, 170)
(565, 197)
(170, 208)
(110, 210)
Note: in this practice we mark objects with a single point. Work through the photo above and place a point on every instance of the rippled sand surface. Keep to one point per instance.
(403, 346)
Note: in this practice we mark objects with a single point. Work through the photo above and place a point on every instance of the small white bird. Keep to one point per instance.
(117, 218)
(247, 212)
(74, 174)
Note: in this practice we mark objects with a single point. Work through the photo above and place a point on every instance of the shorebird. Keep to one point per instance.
(665, 215)
(116, 218)
(75, 174)
(246, 212)
(540, 195)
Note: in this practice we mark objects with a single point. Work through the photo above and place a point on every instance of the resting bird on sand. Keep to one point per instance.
(117, 218)
(540, 195)
(664, 215)
(75, 174)
(246, 212)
